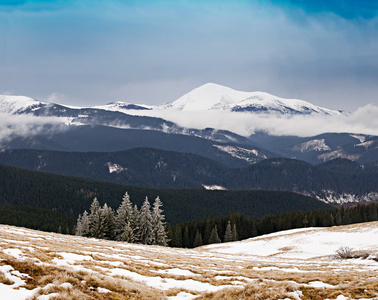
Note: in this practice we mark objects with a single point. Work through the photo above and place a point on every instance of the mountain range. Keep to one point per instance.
(112, 141)
(335, 182)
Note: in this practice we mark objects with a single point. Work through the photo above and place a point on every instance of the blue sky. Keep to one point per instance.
(83, 52)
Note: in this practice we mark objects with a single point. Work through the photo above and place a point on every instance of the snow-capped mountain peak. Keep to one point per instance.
(212, 96)
(18, 104)
(208, 97)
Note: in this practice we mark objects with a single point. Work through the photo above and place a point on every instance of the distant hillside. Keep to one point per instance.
(109, 139)
(71, 196)
(336, 181)
(360, 148)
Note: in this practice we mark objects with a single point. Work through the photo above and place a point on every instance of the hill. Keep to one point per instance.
(39, 264)
(71, 196)
(337, 181)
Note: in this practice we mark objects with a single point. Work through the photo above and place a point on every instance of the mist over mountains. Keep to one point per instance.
(242, 126)
(248, 128)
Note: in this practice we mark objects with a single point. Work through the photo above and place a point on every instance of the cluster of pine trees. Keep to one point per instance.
(211, 230)
(145, 226)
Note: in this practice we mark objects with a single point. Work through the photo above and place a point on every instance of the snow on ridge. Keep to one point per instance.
(330, 196)
(124, 107)
(13, 104)
(241, 153)
(313, 145)
(212, 96)
(359, 137)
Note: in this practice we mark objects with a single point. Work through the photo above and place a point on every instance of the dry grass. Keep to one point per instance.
(250, 277)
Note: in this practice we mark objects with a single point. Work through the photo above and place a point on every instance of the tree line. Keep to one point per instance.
(128, 223)
(237, 226)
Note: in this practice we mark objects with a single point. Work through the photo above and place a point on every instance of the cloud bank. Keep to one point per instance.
(24, 126)
(363, 121)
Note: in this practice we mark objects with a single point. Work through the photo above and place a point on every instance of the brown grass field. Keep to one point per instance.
(68, 267)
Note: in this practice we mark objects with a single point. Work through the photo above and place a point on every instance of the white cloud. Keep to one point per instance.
(12, 126)
(364, 120)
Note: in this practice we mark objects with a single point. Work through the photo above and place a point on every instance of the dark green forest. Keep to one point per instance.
(196, 233)
(167, 169)
(195, 217)
(71, 196)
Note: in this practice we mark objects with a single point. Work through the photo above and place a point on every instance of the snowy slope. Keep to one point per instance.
(18, 104)
(124, 107)
(212, 96)
(305, 243)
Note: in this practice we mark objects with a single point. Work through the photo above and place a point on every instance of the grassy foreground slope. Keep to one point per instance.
(34, 263)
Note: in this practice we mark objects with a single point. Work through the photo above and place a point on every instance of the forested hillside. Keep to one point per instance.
(71, 196)
(165, 169)
(235, 227)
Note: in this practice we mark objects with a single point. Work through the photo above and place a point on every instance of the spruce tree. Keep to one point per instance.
(228, 233)
(186, 238)
(158, 224)
(198, 240)
(145, 232)
(82, 226)
(134, 223)
(124, 216)
(128, 234)
(214, 238)
(234, 233)
(79, 230)
(177, 237)
(94, 219)
(106, 224)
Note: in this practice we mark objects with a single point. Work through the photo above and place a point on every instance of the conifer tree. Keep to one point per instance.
(186, 238)
(198, 239)
(234, 233)
(145, 232)
(214, 238)
(82, 226)
(210, 222)
(124, 216)
(177, 237)
(79, 230)
(134, 223)
(128, 234)
(106, 223)
(94, 219)
(228, 233)
(158, 229)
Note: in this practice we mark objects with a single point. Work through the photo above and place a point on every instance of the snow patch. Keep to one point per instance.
(167, 283)
(214, 187)
(359, 137)
(366, 144)
(115, 168)
(330, 196)
(313, 145)
(338, 154)
(320, 284)
(241, 153)
(103, 290)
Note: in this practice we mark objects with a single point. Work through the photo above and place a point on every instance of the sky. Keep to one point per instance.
(91, 52)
